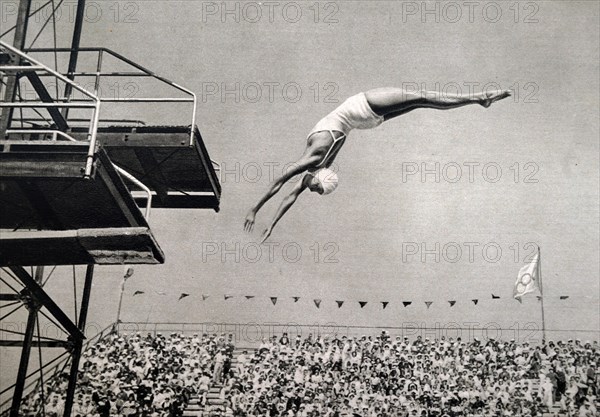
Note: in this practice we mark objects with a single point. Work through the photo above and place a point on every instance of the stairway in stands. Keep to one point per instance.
(213, 397)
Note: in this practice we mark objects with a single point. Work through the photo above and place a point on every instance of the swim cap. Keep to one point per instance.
(328, 180)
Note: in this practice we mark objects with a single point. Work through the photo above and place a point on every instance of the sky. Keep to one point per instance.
(432, 206)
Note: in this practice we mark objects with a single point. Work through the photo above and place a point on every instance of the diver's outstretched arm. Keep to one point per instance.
(285, 205)
(299, 167)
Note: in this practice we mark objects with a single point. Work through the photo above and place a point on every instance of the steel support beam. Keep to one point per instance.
(33, 306)
(11, 80)
(38, 293)
(78, 344)
(80, 14)
(43, 94)
(9, 297)
(35, 343)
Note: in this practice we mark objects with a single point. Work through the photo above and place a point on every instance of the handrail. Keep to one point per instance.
(72, 119)
(139, 184)
(139, 67)
(53, 132)
(93, 130)
(50, 70)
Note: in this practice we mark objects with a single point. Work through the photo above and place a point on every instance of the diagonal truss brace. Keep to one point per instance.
(38, 293)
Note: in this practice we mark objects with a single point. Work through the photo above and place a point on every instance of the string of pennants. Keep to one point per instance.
(317, 301)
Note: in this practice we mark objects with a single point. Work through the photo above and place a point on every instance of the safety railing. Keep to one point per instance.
(98, 75)
(67, 103)
(38, 66)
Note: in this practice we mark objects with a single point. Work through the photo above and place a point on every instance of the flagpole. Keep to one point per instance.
(539, 267)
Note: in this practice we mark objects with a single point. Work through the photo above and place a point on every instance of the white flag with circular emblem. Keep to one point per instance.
(527, 281)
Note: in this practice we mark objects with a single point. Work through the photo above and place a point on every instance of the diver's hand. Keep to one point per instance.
(266, 234)
(249, 222)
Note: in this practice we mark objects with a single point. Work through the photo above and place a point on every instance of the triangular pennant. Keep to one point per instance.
(519, 300)
(183, 295)
(564, 297)
(362, 303)
(406, 303)
(227, 297)
(475, 301)
(452, 303)
(248, 297)
(317, 302)
(339, 303)
(296, 299)
(274, 300)
(428, 304)
(495, 297)
(384, 304)
(539, 297)
(138, 293)
(204, 297)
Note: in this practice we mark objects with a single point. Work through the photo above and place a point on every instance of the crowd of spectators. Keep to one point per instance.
(383, 376)
(155, 376)
(138, 376)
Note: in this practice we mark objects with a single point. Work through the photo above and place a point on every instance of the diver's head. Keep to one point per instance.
(323, 181)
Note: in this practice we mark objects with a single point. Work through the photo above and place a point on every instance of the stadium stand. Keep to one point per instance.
(205, 375)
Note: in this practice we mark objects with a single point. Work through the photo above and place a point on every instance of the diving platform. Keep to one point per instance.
(179, 173)
(51, 213)
(178, 170)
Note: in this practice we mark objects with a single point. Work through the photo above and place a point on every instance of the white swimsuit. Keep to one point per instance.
(354, 113)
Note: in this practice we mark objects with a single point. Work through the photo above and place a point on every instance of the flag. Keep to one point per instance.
(428, 304)
(475, 301)
(452, 303)
(362, 303)
(495, 297)
(406, 303)
(527, 280)
(204, 297)
(138, 293)
(227, 296)
(385, 304)
(296, 299)
(248, 297)
(183, 295)
(339, 303)
(564, 297)
(274, 300)
(317, 302)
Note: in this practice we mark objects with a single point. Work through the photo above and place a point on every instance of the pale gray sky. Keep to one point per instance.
(547, 133)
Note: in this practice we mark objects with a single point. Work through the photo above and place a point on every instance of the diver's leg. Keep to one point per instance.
(392, 102)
